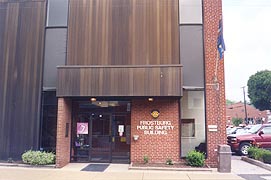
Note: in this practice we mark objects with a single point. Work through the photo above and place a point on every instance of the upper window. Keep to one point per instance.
(190, 11)
(57, 13)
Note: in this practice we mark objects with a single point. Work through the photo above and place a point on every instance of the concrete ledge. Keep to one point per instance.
(257, 163)
(170, 169)
(27, 165)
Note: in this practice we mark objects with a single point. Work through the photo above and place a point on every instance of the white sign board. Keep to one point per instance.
(121, 129)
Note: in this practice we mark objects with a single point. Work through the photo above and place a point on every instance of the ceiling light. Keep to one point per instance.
(93, 99)
(150, 99)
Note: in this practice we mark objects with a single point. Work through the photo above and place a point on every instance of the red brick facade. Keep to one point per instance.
(215, 97)
(158, 148)
(63, 141)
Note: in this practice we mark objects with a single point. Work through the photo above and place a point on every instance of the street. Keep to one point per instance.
(249, 171)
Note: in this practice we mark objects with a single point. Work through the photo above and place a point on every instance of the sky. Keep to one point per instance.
(247, 35)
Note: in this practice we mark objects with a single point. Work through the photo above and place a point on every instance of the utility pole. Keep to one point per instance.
(245, 103)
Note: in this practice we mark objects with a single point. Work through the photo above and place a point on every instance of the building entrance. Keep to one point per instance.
(101, 133)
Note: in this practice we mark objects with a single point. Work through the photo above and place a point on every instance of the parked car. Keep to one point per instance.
(259, 135)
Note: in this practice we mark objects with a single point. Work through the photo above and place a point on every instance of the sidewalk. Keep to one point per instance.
(114, 172)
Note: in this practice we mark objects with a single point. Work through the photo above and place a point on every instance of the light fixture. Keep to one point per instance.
(150, 99)
(100, 103)
(135, 137)
(93, 99)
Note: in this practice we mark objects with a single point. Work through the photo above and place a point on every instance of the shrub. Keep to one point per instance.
(38, 157)
(146, 159)
(252, 152)
(267, 157)
(195, 158)
(169, 162)
(259, 154)
(237, 121)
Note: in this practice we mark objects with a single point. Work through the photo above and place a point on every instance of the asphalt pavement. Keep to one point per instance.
(248, 171)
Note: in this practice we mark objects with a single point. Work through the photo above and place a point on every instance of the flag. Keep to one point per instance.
(220, 40)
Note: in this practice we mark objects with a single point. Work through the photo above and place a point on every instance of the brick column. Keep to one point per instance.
(158, 148)
(215, 98)
(63, 139)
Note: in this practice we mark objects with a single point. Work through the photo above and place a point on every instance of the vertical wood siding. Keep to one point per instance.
(21, 66)
(119, 81)
(123, 32)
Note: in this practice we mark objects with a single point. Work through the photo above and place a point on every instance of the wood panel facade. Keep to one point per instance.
(21, 65)
(123, 32)
(119, 81)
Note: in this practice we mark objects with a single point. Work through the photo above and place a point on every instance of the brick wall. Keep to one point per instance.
(63, 142)
(157, 147)
(215, 99)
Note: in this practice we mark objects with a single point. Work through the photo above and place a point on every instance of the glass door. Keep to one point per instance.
(100, 138)
(80, 138)
(121, 131)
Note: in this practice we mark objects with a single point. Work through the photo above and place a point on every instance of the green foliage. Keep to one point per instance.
(237, 121)
(267, 157)
(38, 158)
(229, 102)
(169, 162)
(259, 90)
(146, 159)
(260, 154)
(195, 158)
(252, 151)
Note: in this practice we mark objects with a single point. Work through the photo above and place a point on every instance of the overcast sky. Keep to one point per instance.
(247, 35)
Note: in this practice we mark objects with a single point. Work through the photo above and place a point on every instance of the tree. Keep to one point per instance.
(259, 90)
(229, 102)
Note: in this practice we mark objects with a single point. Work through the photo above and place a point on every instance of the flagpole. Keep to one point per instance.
(216, 67)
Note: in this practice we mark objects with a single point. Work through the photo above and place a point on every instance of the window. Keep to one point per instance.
(188, 127)
(57, 13)
(190, 11)
(192, 123)
(191, 55)
(55, 54)
(49, 119)
(266, 130)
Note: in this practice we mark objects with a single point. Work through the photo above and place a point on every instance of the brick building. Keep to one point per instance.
(254, 116)
(111, 80)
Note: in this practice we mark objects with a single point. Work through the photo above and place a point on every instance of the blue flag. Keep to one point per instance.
(220, 40)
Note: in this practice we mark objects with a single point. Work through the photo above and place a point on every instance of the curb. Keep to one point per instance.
(27, 165)
(256, 162)
(170, 169)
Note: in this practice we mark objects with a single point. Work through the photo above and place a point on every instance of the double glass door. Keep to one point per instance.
(102, 137)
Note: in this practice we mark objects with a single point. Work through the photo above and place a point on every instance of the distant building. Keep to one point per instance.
(254, 116)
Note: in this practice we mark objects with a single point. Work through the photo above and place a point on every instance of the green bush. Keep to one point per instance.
(146, 159)
(267, 157)
(259, 154)
(253, 151)
(169, 162)
(38, 157)
(195, 158)
(237, 121)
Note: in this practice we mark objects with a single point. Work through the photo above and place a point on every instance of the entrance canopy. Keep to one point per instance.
(117, 80)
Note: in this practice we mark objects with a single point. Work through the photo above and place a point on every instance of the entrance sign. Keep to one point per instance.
(155, 127)
(82, 128)
(121, 128)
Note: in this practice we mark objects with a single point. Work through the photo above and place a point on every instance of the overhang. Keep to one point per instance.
(118, 80)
